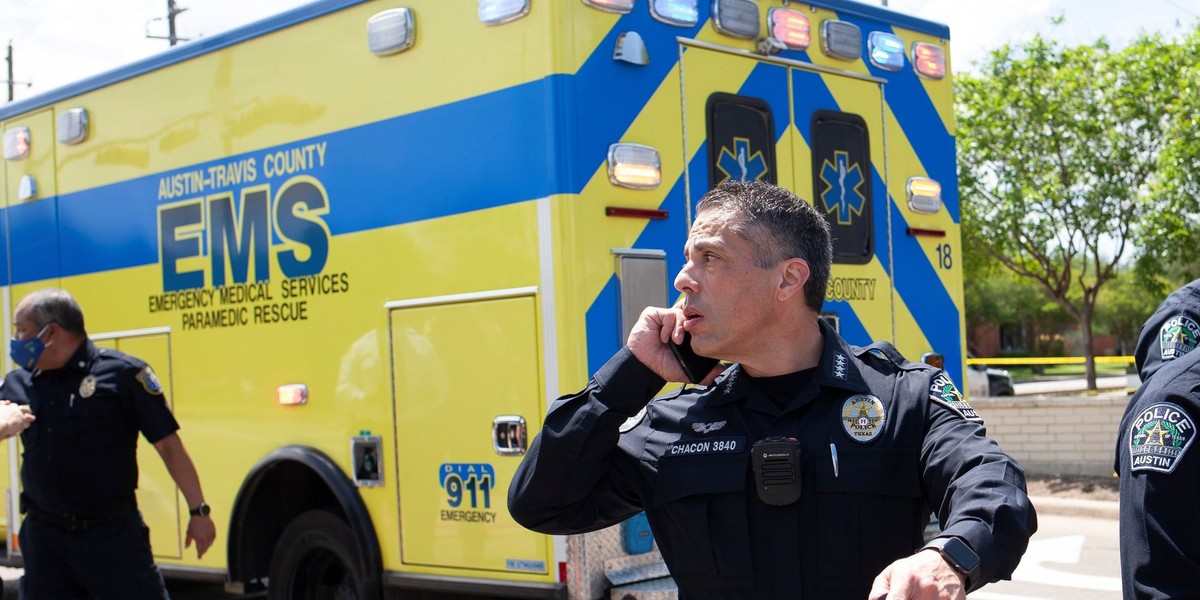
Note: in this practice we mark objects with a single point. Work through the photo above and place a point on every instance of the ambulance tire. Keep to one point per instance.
(317, 558)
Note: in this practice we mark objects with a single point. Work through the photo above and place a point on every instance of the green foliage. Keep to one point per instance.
(1066, 152)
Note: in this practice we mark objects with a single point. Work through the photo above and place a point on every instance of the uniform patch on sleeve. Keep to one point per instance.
(943, 392)
(632, 422)
(1159, 437)
(1178, 336)
(148, 380)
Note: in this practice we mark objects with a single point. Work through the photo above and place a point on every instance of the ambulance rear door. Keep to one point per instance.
(816, 131)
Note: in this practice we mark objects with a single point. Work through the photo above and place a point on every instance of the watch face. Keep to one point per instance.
(961, 554)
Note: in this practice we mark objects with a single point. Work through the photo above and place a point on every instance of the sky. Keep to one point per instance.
(57, 42)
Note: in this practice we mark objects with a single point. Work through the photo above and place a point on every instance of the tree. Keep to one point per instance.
(1066, 152)
(1125, 305)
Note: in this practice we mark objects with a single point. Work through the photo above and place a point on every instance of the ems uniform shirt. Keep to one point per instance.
(1159, 465)
(80, 455)
(881, 441)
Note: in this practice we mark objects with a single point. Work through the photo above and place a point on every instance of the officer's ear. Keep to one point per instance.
(795, 273)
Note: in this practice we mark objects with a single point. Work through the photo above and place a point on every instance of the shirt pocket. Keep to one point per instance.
(699, 515)
(869, 514)
(98, 420)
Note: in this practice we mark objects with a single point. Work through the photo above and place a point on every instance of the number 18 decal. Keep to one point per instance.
(469, 483)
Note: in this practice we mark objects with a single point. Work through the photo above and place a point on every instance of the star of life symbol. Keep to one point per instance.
(708, 427)
(740, 164)
(842, 196)
(1158, 438)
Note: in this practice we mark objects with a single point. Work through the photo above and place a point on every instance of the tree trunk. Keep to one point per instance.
(1089, 352)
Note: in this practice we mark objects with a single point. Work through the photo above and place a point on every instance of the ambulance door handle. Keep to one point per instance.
(509, 436)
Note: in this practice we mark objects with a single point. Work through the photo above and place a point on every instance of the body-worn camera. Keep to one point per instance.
(776, 463)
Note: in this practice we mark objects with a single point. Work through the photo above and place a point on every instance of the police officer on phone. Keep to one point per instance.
(83, 536)
(1157, 456)
(806, 469)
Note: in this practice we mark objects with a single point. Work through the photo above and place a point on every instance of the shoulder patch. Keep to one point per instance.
(943, 392)
(632, 422)
(1159, 437)
(1178, 336)
(149, 381)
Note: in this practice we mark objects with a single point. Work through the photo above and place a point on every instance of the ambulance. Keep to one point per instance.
(365, 244)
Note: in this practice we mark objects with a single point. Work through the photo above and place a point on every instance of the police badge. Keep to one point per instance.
(863, 417)
(87, 387)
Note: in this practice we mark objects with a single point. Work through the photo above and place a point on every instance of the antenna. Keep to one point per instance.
(172, 10)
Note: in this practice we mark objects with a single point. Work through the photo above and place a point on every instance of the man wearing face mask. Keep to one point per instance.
(83, 536)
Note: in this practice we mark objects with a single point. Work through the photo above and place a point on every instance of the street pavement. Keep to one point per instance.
(1054, 386)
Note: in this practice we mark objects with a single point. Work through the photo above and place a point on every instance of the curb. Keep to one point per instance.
(1076, 507)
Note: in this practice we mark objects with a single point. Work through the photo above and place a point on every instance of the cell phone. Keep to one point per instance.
(695, 367)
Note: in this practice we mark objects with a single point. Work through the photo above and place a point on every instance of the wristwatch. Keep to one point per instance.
(959, 555)
(201, 510)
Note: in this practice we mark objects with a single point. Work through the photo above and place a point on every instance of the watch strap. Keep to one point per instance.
(958, 555)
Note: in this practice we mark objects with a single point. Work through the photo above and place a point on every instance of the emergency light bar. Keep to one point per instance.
(841, 39)
(924, 195)
(790, 28)
(634, 166)
(391, 31)
(682, 13)
(495, 12)
(736, 18)
(929, 60)
(886, 50)
(617, 6)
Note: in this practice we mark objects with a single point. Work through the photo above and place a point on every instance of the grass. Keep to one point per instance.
(1021, 372)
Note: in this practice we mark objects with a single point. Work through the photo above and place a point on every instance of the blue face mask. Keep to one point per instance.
(27, 352)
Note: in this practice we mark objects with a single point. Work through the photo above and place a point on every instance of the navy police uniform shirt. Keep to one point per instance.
(1171, 332)
(883, 441)
(81, 453)
(1158, 459)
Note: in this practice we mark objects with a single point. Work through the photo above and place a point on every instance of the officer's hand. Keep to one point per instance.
(14, 418)
(648, 342)
(922, 576)
(201, 529)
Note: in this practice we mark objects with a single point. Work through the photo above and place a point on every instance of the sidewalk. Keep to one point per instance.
(1076, 507)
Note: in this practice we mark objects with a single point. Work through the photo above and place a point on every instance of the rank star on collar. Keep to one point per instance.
(707, 427)
(839, 366)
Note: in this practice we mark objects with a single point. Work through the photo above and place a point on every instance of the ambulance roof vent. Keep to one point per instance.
(391, 31)
(631, 49)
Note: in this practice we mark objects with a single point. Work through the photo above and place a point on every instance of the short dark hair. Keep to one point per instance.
(52, 305)
(778, 225)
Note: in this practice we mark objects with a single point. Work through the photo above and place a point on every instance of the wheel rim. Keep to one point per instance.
(323, 576)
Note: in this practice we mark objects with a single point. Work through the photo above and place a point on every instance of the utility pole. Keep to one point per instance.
(10, 81)
(172, 10)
